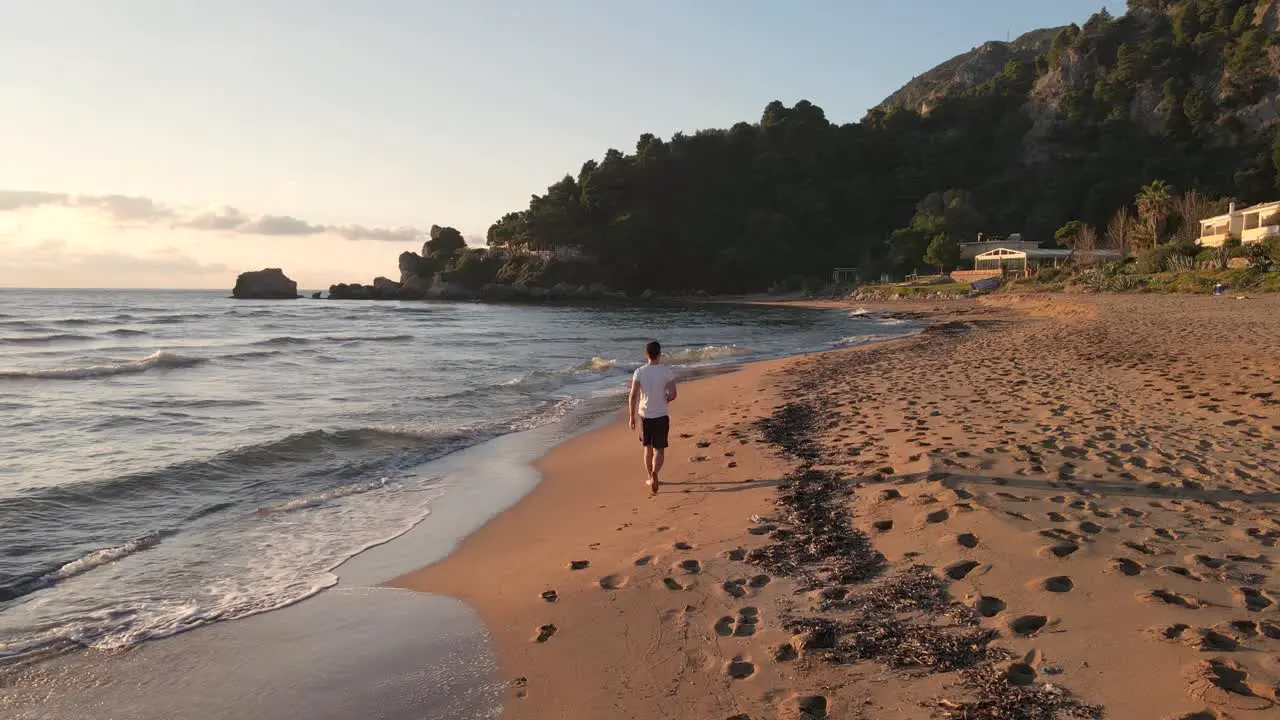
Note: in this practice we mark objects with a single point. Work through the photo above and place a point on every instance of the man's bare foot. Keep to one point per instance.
(653, 484)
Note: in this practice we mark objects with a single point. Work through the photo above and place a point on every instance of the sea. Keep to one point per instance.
(173, 459)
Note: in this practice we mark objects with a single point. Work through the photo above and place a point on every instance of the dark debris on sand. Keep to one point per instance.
(822, 546)
(906, 620)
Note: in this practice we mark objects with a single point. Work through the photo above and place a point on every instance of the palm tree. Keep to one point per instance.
(1154, 201)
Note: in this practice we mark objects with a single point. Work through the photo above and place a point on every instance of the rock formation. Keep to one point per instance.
(267, 284)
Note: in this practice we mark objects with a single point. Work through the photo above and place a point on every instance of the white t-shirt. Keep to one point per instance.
(652, 381)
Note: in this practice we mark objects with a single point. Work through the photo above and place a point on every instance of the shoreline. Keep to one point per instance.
(701, 602)
(635, 558)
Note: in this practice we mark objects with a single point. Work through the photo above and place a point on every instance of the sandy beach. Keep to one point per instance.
(1043, 507)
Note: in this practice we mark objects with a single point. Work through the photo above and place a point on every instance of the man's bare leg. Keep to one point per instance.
(659, 455)
(648, 465)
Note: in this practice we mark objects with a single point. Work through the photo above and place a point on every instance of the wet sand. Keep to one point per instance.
(1034, 510)
(345, 653)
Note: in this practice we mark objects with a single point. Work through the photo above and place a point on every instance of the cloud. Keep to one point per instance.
(21, 199)
(55, 263)
(127, 208)
(224, 218)
(280, 225)
(118, 207)
(397, 234)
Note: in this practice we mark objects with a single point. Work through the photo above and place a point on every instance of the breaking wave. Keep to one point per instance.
(161, 360)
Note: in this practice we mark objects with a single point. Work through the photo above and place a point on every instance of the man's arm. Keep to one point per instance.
(633, 399)
(671, 388)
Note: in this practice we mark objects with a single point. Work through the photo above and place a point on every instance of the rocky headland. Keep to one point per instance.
(266, 284)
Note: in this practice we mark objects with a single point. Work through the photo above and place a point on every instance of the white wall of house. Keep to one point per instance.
(1251, 225)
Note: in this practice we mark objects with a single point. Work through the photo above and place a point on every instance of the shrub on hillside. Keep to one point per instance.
(1158, 259)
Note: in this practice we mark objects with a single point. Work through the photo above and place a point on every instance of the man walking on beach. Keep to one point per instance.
(652, 386)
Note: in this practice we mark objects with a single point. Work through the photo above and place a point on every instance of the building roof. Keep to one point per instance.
(1241, 211)
(1041, 253)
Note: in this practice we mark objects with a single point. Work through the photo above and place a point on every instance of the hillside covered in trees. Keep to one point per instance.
(1174, 95)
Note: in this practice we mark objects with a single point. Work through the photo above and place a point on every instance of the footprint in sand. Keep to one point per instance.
(579, 564)
(1253, 628)
(1057, 584)
(937, 516)
(882, 525)
(968, 540)
(1125, 566)
(1171, 598)
(550, 596)
(682, 546)
(736, 554)
(612, 582)
(806, 707)
(989, 606)
(1020, 674)
(1028, 625)
(643, 560)
(740, 668)
(1208, 561)
(691, 566)
(1226, 683)
(961, 569)
(1142, 548)
(758, 581)
(1252, 599)
(733, 588)
(724, 626)
(1180, 572)
(545, 632)
(673, 584)
(1061, 550)
(1202, 639)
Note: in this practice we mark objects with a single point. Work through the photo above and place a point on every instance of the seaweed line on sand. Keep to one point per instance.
(907, 620)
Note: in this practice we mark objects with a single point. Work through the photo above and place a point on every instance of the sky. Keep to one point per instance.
(175, 143)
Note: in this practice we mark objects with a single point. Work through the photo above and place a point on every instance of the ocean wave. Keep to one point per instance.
(283, 340)
(597, 364)
(125, 332)
(859, 312)
(870, 338)
(707, 353)
(81, 565)
(42, 339)
(76, 322)
(173, 319)
(25, 325)
(161, 360)
(679, 356)
(323, 497)
(252, 355)
(368, 338)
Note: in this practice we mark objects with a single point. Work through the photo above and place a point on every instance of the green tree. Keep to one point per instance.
(1155, 203)
(1067, 234)
(445, 242)
(943, 252)
(907, 248)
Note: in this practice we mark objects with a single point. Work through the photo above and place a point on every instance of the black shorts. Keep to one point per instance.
(653, 432)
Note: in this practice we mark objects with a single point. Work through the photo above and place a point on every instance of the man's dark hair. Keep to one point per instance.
(653, 349)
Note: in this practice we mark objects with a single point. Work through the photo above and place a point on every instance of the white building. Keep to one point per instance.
(1250, 225)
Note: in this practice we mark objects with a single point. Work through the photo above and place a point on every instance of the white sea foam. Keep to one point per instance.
(326, 496)
(156, 360)
(706, 353)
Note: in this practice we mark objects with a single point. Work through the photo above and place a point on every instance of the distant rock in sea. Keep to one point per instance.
(267, 284)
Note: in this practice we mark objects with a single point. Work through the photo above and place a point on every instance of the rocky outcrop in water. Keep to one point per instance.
(266, 284)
